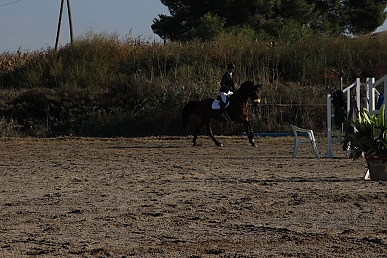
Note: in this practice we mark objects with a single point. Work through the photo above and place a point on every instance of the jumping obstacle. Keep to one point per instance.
(372, 95)
(347, 92)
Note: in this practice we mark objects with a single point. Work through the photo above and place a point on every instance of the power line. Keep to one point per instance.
(10, 2)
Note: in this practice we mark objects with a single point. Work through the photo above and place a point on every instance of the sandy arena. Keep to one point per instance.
(162, 197)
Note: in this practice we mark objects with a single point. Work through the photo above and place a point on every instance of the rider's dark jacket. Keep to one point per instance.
(227, 84)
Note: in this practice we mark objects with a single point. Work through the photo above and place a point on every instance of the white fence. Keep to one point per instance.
(347, 92)
(372, 95)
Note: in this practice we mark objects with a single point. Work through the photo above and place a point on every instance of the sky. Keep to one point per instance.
(31, 25)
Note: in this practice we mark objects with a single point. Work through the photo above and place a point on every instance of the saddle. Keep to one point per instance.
(215, 103)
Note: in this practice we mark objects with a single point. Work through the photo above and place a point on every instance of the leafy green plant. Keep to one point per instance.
(369, 135)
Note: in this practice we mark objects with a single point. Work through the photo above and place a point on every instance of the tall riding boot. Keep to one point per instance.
(222, 107)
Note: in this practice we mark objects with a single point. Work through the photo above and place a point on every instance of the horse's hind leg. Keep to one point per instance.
(197, 130)
(209, 132)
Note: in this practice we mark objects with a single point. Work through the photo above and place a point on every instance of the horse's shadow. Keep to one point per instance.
(331, 179)
(146, 147)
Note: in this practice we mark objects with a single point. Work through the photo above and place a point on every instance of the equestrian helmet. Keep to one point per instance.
(230, 66)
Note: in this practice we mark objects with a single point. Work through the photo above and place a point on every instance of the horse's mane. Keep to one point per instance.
(241, 93)
(247, 84)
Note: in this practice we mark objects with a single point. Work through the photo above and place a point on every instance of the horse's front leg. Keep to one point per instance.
(250, 133)
(209, 132)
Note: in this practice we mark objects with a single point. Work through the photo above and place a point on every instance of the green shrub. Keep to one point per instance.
(103, 85)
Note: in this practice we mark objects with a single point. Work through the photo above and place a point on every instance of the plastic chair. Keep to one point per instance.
(299, 137)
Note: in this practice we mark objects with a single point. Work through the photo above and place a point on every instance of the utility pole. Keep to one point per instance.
(60, 23)
(70, 21)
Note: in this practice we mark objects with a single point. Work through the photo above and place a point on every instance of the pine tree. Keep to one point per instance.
(205, 19)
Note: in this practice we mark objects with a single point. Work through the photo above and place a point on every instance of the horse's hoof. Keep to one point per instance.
(194, 144)
(219, 144)
(254, 145)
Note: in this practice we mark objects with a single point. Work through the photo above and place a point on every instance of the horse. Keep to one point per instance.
(236, 111)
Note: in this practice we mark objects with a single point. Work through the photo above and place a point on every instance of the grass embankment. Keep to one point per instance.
(102, 85)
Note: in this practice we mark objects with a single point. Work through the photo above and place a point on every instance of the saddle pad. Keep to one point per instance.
(215, 104)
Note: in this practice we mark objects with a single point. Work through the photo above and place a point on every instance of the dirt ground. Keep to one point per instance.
(162, 197)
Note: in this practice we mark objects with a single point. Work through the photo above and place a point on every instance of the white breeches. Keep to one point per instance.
(225, 96)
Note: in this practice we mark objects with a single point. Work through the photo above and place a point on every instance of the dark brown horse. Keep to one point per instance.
(237, 111)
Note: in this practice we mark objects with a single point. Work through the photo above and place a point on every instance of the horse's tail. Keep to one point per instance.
(187, 110)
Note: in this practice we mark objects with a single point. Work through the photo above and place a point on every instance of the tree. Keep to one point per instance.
(210, 26)
(365, 15)
(205, 19)
(350, 16)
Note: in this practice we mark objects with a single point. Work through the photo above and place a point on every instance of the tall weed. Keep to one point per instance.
(104, 85)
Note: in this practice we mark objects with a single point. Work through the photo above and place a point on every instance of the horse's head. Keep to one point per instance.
(256, 95)
(252, 91)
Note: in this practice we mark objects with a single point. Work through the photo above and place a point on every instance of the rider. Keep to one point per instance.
(227, 86)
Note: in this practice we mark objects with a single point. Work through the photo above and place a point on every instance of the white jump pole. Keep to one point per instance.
(329, 153)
